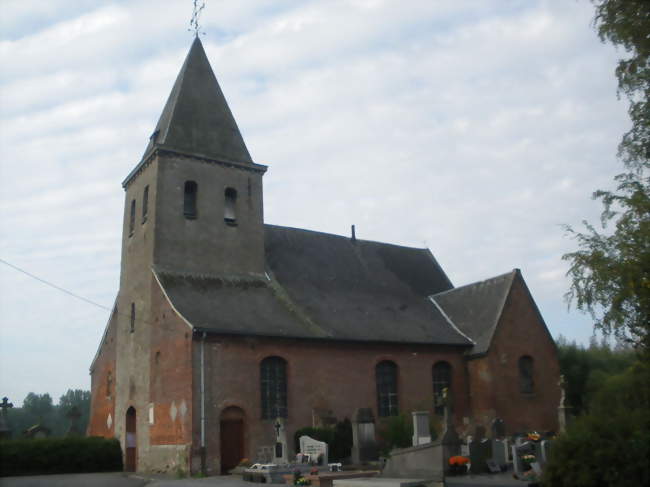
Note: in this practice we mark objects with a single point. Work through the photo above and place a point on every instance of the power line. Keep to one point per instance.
(70, 293)
(59, 288)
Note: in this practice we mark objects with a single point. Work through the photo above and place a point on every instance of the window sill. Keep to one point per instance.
(190, 216)
(231, 223)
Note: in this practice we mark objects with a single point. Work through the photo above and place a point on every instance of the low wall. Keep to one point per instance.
(422, 461)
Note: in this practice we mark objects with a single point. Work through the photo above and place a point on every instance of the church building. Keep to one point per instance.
(224, 326)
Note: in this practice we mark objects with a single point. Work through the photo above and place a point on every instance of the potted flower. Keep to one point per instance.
(458, 465)
(527, 460)
(534, 436)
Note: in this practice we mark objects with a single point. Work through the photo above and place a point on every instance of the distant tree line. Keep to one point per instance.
(39, 409)
(587, 368)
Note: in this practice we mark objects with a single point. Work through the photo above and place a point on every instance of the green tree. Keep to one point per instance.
(610, 447)
(38, 405)
(585, 369)
(610, 273)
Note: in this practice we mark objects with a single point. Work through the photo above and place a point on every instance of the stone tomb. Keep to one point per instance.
(421, 430)
(317, 450)
(364, 443)
(500, 452)
(479, 453)
(526, 448)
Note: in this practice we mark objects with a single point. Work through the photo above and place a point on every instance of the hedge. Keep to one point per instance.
(59, 455)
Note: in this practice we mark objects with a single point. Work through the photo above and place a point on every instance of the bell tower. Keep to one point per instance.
(202, 192)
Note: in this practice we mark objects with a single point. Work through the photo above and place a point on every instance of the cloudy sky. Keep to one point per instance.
(473, 128)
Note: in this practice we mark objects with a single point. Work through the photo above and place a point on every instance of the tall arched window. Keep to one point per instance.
(132, 317)
(189, 199)
(386, 376)
(441, 381)
(230, 206)
(132, 218)
(526, 383)
(273, 374)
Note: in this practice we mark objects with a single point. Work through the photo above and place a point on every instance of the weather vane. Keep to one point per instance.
(196, 13)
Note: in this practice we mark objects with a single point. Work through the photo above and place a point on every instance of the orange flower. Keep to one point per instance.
(458, 460)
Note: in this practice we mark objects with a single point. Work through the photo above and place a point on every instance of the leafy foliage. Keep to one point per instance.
(59, 455)
(585, 369)
(38, 408)
(626, 23)
(610, 272)
(610, 446)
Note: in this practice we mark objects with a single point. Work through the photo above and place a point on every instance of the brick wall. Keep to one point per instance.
(494, 379)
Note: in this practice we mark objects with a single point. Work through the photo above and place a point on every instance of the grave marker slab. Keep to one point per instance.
(316, 449)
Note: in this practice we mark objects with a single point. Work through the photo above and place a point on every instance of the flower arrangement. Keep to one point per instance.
(303, 481)
(458, 465)
(527, 460)
(534, 436)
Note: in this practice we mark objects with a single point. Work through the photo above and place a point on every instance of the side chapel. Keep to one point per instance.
(224, 325)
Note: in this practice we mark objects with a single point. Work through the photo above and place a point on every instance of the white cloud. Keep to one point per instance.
(474, 128)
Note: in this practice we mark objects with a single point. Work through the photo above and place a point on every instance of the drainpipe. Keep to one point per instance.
(203, 403)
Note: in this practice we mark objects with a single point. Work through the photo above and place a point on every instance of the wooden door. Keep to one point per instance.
(232, 443)
(130, 443)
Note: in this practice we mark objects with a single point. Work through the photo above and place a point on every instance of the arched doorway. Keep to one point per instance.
(130, 443)
(232, 438)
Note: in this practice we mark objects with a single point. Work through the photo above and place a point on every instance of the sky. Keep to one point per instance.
(473, 128)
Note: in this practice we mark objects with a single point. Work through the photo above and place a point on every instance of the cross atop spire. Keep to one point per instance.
(196, 119)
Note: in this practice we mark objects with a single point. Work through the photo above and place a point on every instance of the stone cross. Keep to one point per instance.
(5, 432)
(73, 415)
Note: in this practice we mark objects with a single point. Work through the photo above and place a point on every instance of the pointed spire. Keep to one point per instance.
(196, 119)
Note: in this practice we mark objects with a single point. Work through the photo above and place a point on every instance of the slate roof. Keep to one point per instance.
(476, 308)
(196, 118)
(323, 286)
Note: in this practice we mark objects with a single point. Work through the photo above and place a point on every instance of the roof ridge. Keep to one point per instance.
(509, 273)
(320, 232)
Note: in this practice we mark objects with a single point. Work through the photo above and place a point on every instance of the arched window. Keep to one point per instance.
(132, 218)
(441, 381)
(109, 384)
(189, 199)
(526, 383)
(145, 203)
(230, 206)
(132, 317)
(386, 376)
(273, 374)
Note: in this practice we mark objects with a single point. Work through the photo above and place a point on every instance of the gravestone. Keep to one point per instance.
(479, 454)
(545, 451)
(280, 455)
(5, 431)
(73, 415)
(451, 444)
(500, 452)
(317, 450)
(498, 428)
(421, 431)
(526, 448)
(364, 442)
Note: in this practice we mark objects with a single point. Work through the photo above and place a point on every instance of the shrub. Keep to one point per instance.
(59, 455)
(610, 446)
(395, 432)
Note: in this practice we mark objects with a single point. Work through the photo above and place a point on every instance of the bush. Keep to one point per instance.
(610, 446)
(395, 432)
(59, 455)
(338, 439)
